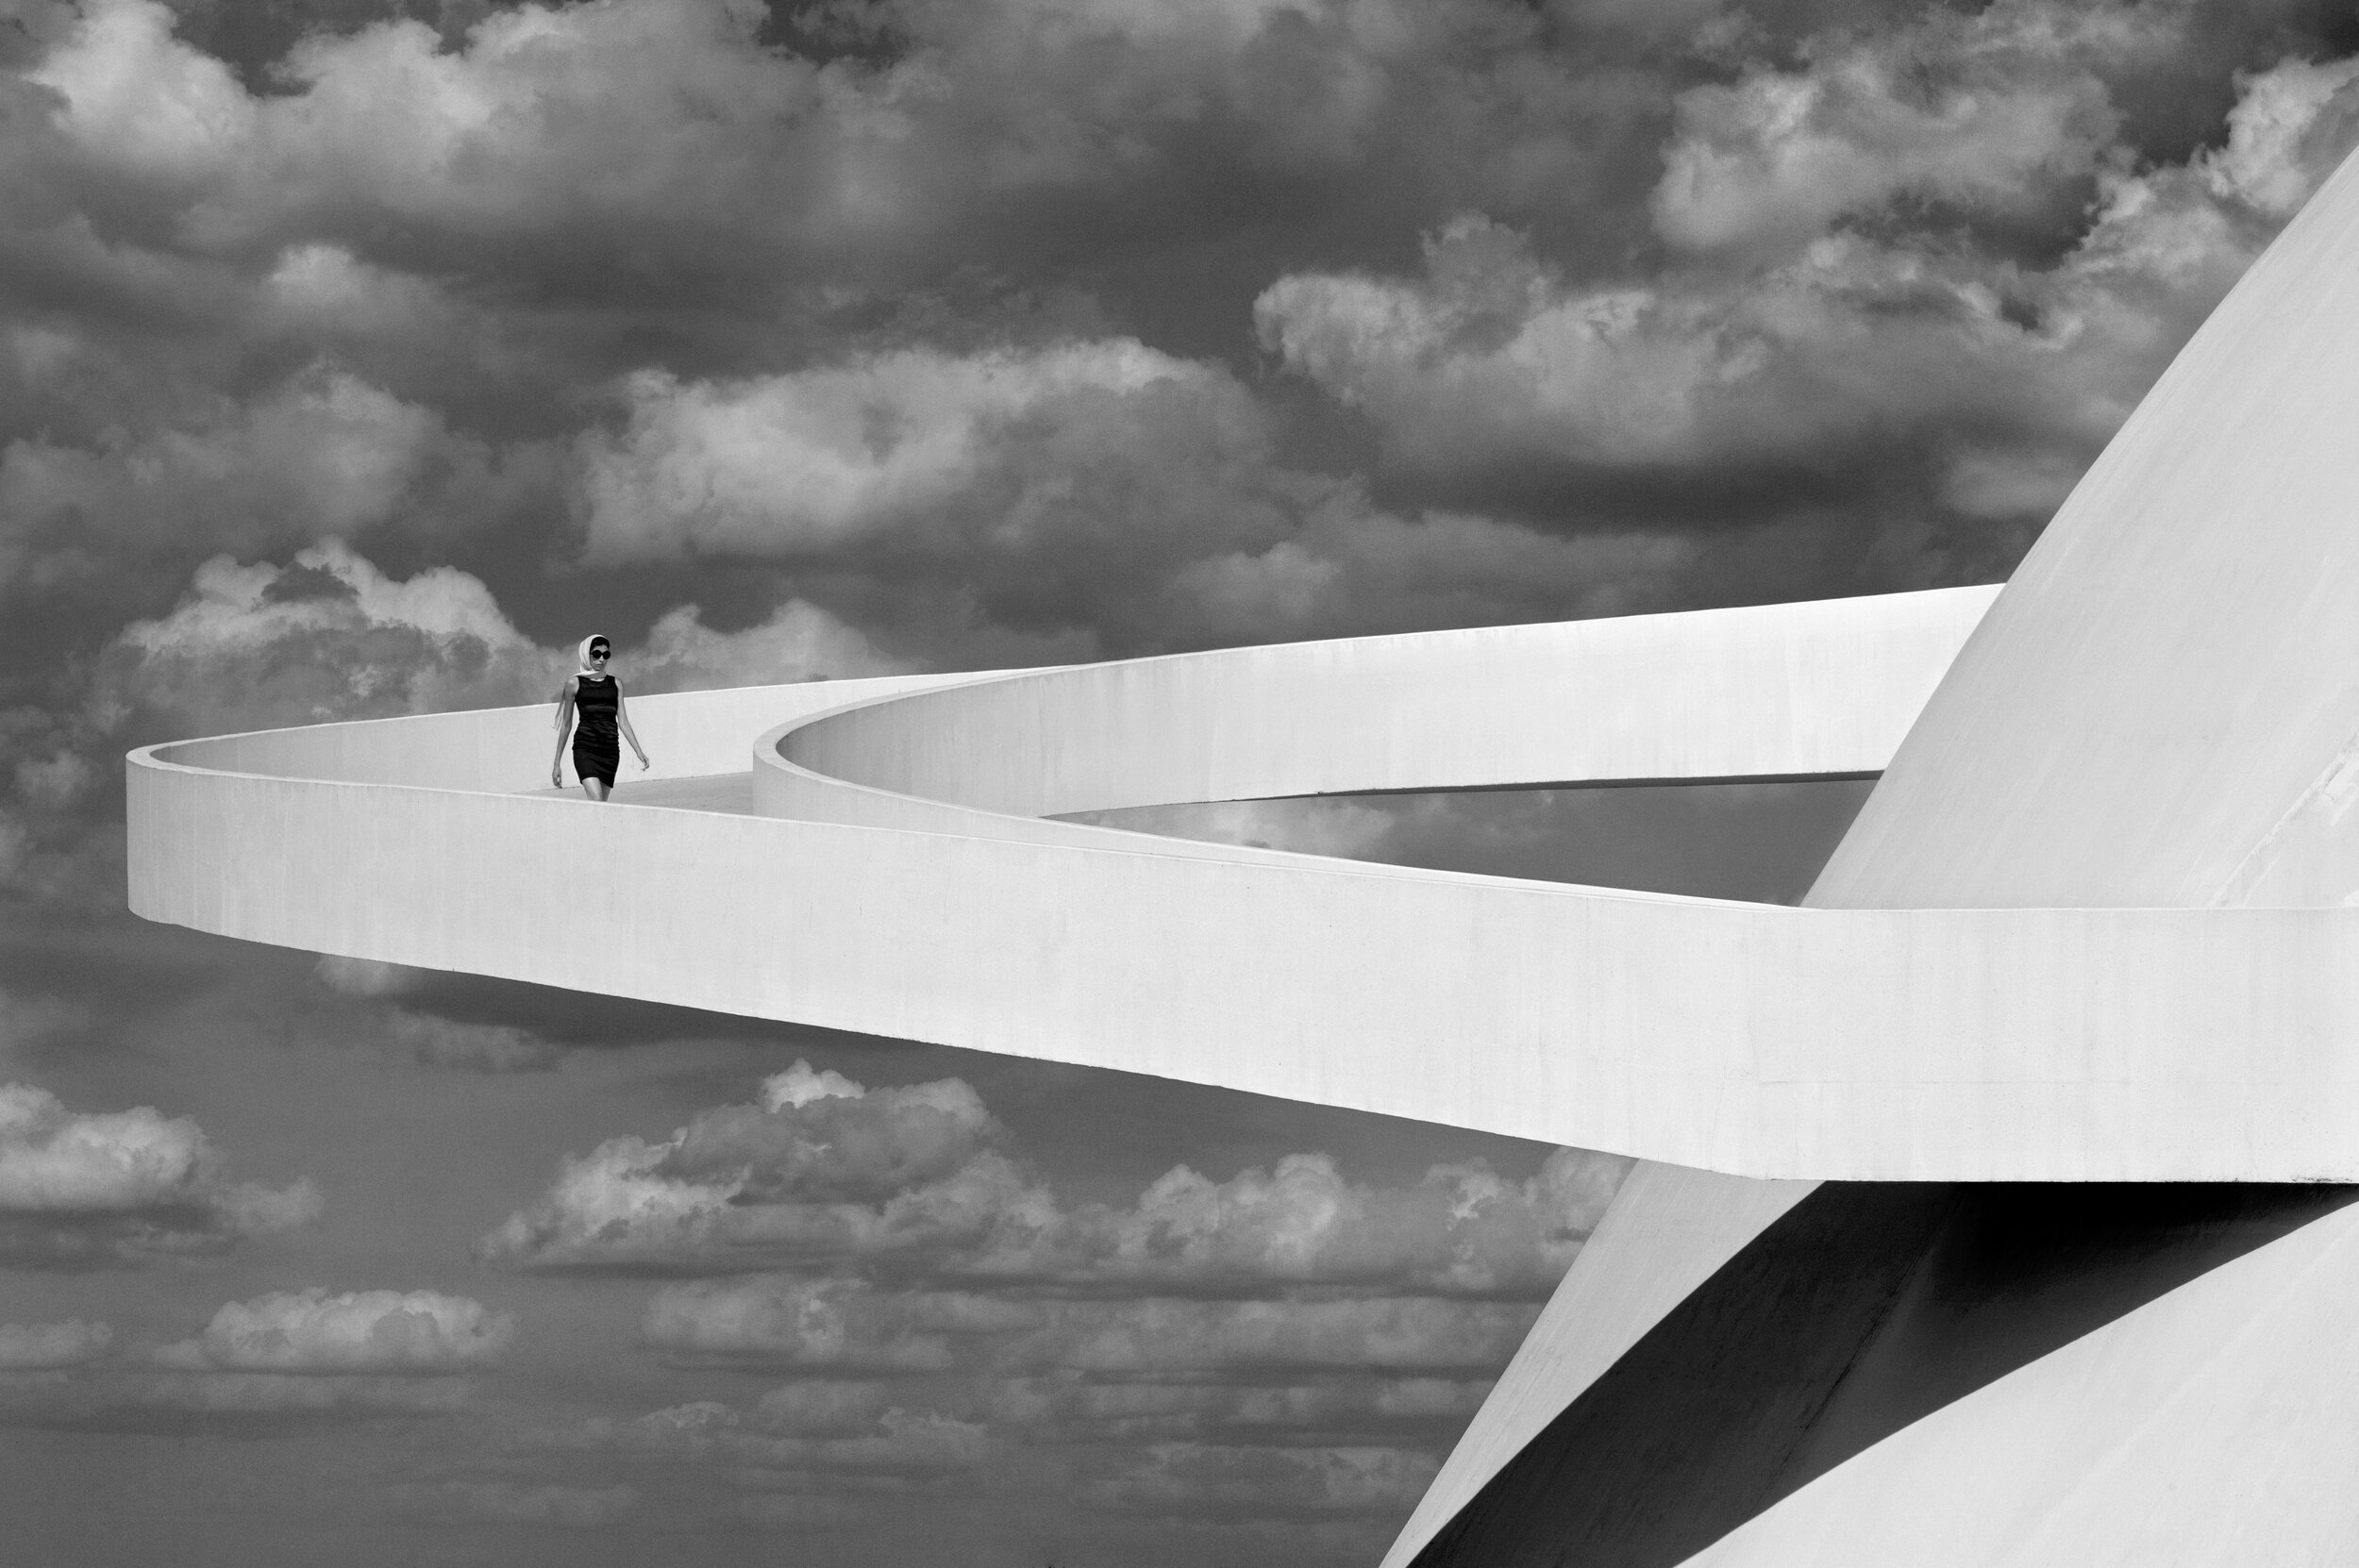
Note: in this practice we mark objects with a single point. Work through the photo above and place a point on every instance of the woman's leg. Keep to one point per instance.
(595, 769)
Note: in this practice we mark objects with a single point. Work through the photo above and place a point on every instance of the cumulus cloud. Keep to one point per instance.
(330, 636)
(429, 1039)
(2003, 376)
(2291, 125)
(416, 1333)
(673, 123)
(819, 1167)
(832, 1325)
(123, 1186)
(1097, 485)
(810, 1407)
(842, 1431)
(113, 1397)
(282, 1359)
(1070, 1408)
(1165, 1337)
(821, 1408)
(322, 453)
(470, 1048)
(52, 1346)
(327, 636)
(1462, 1228)
(927, 1298)
(795, 463)
(132, 96)
(1998, 111)
(1062, 1370)
(799, 640)
(1850, 340)
(1044, 491)
(906, 1444)
(1175, 1478)
(1102, 485)
(386, 112)
(917, 1179)
(514, 1503)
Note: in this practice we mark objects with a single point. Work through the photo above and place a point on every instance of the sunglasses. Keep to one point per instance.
(600, 653)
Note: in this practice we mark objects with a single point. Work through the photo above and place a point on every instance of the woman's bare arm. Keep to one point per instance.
(621, 722)
(564, 726)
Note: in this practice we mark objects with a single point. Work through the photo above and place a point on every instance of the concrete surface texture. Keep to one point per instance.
(2210, 1426)
(2159, 710)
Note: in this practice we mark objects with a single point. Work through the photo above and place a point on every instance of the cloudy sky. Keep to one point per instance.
(358, 356)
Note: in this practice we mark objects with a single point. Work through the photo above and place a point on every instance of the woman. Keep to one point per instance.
(598, 698)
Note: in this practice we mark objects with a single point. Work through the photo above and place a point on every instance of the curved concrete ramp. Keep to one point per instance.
(2043, 1045)
(2089, 929)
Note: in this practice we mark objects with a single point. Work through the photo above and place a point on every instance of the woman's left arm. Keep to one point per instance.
(621, 722)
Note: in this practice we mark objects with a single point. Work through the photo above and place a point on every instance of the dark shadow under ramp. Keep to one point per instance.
(1868, 1306)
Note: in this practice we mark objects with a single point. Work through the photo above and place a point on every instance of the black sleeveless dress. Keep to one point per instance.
(598, 744)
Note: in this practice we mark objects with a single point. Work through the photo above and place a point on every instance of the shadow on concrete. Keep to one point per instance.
(1868, 1306)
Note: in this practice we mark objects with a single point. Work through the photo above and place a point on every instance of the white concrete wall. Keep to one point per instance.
(1825, 689)
(1822, 690)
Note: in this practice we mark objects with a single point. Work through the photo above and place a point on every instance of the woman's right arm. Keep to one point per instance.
(564, 723)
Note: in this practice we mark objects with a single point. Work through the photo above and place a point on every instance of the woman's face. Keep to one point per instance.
(600, 653)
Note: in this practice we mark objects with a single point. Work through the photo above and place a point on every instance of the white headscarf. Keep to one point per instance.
(582, 654)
